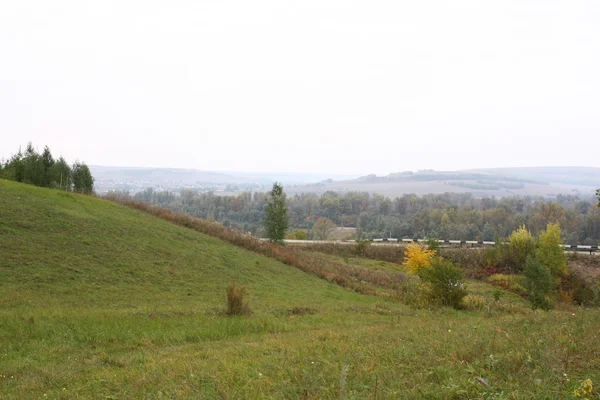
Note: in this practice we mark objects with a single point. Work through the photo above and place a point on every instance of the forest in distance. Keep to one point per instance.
(459, 216)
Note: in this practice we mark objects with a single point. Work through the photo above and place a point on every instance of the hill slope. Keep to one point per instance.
(102, 301)
(73, 250)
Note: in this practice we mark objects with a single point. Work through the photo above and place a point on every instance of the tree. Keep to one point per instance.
(417, 258)
(33, 167)
(549, 252)
(48, 161)
(539, 283)
(323, 227)
(61, 175)
(598, 196)
(13, 169)
(276, 214)
(520, 244)
(83, 182)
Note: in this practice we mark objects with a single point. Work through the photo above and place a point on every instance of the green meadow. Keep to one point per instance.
(102, 301)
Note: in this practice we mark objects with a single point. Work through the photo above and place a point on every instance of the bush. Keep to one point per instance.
(474, 302)
(513, 283)
(581, 292)
(361, 247)
(432, 244)
(415, 294)
(444, 279)
(539, 284)
(497, 295)
(235, 300)
(499, 256)
(297, 234)
(472, 261)
(585, 296)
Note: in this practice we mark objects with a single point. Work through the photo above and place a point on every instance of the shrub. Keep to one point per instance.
(513, 283)
(472, 261)
(415, 294)
(301, 311)
(361, 246)
(580, 291)
(474, 302)
(432, 244)
(235, 300)
(520, 245)
(417, 258)
(539, 283)
(497, 295)
(444, 279)
(499, 256)
(297, 234)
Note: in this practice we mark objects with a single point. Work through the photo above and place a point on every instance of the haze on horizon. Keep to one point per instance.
(329, 86)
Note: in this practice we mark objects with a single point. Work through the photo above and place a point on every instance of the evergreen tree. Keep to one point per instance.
(83, 182)
(48, 161)
(33, 167)
(276, 214)
(14, 167)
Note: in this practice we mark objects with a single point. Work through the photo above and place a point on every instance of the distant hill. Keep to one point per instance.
(139, 178)
(135, 179)
(499, 182)
(586, 176)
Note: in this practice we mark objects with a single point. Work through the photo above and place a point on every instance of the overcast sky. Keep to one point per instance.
(334, 86)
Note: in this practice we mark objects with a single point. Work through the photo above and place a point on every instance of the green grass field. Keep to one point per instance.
(101, 301)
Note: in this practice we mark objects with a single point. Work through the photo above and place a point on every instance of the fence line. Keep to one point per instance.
(472, 243)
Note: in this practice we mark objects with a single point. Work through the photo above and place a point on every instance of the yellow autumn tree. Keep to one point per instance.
(417, 257)
(549, 252)
(521, 243)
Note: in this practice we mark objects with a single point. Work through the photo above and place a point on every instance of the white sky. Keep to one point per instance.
(334, 86)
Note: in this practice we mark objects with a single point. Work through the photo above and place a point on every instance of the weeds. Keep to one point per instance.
(235, 300)
(474, 302)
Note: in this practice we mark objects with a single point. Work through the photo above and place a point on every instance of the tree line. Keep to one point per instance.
(44, 170)
(451, 215)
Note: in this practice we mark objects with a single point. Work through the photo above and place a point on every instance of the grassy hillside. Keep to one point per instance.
(75, 251)
(102, 301)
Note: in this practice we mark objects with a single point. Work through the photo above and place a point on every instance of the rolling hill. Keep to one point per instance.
(499, 182)
(99, 301)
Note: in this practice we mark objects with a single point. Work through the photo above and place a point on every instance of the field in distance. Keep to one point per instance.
(98, 300)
